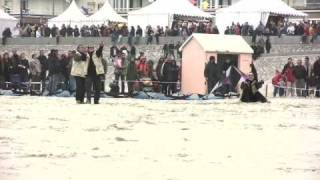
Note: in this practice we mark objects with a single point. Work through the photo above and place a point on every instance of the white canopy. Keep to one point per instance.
(71, 16)
(106, 13)
(7, 21)
(253, 12)
(161, 13)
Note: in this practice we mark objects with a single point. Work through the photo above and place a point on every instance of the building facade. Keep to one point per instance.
(55, 7)
(50, 8)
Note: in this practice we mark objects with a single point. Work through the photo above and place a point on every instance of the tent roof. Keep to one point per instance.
(269, 6)
(6, 16)
(177, 7)
(220, 43)
(106, 13)
(71, 14)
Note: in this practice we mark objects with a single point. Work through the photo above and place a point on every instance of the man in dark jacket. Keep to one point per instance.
(316, 74)
(131, 76)
(268, 45)
(133, 51)
(54, 31)
(76, 31)
(47, 31)
(54, 71)
(69, 31)
(114, 51)
(211, 73)
(63, 31)
(170, 75)
(14, 70)
(300, 75)
(138, 35)
(132, 33)
(5, 35)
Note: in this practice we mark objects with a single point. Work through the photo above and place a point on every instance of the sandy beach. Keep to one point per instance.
(45, 138)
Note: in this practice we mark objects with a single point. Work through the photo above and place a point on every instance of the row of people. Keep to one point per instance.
(297, 79)
(178, 28)
(58, 70)
(136, 71)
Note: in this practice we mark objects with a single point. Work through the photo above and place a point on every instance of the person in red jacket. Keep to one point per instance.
(143, 67)
(288, 74)
(279, 83)
(276, 83)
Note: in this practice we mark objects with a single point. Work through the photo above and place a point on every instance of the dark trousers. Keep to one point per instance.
(149, 39)
(157, 39)
(130, 87)
(318, 90)
(210, 86)
(4, 40)
(43, 81)
(120, 76)
(80, 88)
(172, 88)
(164, 88)
(130, 40)
(93, 82)
(278, 90)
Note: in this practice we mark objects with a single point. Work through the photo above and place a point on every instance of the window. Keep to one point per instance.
(8, 6)
(313, 3)
(91, 7)
(24, 6)
(100, 5)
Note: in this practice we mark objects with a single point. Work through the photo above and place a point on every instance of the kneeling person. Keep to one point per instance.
(250, 90)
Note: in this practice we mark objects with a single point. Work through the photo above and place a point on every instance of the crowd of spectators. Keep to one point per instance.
(310, 28)
(298, 79)
(23, 74)
(179, 28)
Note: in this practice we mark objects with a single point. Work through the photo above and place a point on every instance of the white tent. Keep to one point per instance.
(106, 13)
(161, 13)
(253, 12)
(7, 21)
(71, 16)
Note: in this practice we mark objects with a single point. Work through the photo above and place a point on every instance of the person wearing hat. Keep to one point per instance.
(94, 71)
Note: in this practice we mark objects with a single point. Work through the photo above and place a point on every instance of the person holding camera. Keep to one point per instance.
(250, 88)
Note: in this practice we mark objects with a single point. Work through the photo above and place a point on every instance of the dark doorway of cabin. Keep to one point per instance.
(227, 60)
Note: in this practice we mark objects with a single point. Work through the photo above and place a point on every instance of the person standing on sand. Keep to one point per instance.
(78, 72)
(94, 71)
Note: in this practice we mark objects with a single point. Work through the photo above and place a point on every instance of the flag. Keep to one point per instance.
(234, 75)
(229, 82)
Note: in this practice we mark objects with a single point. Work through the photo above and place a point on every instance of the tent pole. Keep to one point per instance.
(21, 12)
(53, 7)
